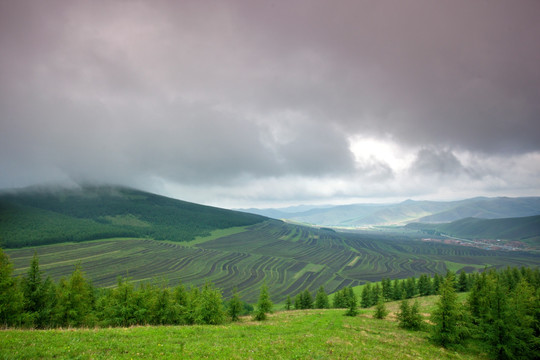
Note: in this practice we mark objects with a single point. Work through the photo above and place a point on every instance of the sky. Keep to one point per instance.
(273, 103)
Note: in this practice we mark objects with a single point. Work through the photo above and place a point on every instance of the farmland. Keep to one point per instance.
(289, 258)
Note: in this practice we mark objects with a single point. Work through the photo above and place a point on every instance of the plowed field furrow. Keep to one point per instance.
(297, 285)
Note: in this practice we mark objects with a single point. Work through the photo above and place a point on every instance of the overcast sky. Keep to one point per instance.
(271, 103)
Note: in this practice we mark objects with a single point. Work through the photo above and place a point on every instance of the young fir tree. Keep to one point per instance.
(410, 288)
(11, 298)
(298, 301)
(209, 307)
(340, 300)
(117, 307)
(264, 305)
(321, 299)
(352, 306)
(306, 300)
(424, 285)
(34, 297)
(463, 282)
(437, 279)
(367, 296)
(288, 303)
(387, 289)
(398, 292)
(75, 300)
(376, 294)
(410, 317)
(235, 306)
(404, 314)
(446, 316)
(163, 309)
(380, 309)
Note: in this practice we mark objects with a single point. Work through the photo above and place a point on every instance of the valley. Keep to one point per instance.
(118, 232)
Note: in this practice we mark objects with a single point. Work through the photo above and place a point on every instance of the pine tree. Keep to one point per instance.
(446, 315)
(235, 306)
(424, 285)
(298, 301)
(264, 305)
(366, 296)
(387, 289)
(209, 307)
(11, 298)
(410, 288)
(404, 314)
(436, 283)
(352, 303)
(34, 296)
(288, 302)
(306, 301)
(164, 310)
(321, 299)
(397, 291)
(376, 294)
(380, 310)
(463, 282)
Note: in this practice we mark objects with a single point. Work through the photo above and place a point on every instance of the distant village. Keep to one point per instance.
(486, 244)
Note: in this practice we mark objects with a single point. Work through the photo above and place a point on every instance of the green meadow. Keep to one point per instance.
(299, 334)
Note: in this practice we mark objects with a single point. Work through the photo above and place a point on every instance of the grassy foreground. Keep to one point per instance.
(308, 334)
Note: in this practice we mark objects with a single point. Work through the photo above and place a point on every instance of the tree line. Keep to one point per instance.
(34, 302)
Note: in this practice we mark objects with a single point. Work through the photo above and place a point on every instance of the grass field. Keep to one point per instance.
(289, 258)
(306, 334)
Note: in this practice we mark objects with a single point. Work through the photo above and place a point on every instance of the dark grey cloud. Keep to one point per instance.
(221, 93)
(441, 162)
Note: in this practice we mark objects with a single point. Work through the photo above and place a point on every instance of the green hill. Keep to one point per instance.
(522, 228)
(39, 216)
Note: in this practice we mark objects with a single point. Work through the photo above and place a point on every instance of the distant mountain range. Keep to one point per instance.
(360, 215)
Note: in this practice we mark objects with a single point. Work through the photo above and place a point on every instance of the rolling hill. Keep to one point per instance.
(521, 228)
(38, 216)
(359, 215)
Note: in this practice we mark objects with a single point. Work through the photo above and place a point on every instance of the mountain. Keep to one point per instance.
(358, 215)
(46, 215)
(520, 228)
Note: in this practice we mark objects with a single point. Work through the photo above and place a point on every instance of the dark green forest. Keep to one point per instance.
(49, 216)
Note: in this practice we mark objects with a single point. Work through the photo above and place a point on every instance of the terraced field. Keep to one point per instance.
(289, 258)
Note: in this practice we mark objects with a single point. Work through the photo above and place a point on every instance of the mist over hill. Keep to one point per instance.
(358, 215)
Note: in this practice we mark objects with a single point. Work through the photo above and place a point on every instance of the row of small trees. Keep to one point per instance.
(32, 301)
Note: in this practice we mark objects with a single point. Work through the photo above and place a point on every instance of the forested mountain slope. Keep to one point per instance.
(38, 216)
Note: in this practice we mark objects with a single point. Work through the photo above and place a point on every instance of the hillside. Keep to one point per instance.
(306, 334)
(289, 258)
(38, 216)
(358, 215)
(116, 232)
(522, 228)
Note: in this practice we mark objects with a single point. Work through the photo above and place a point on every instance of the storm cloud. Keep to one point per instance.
(245, 103)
